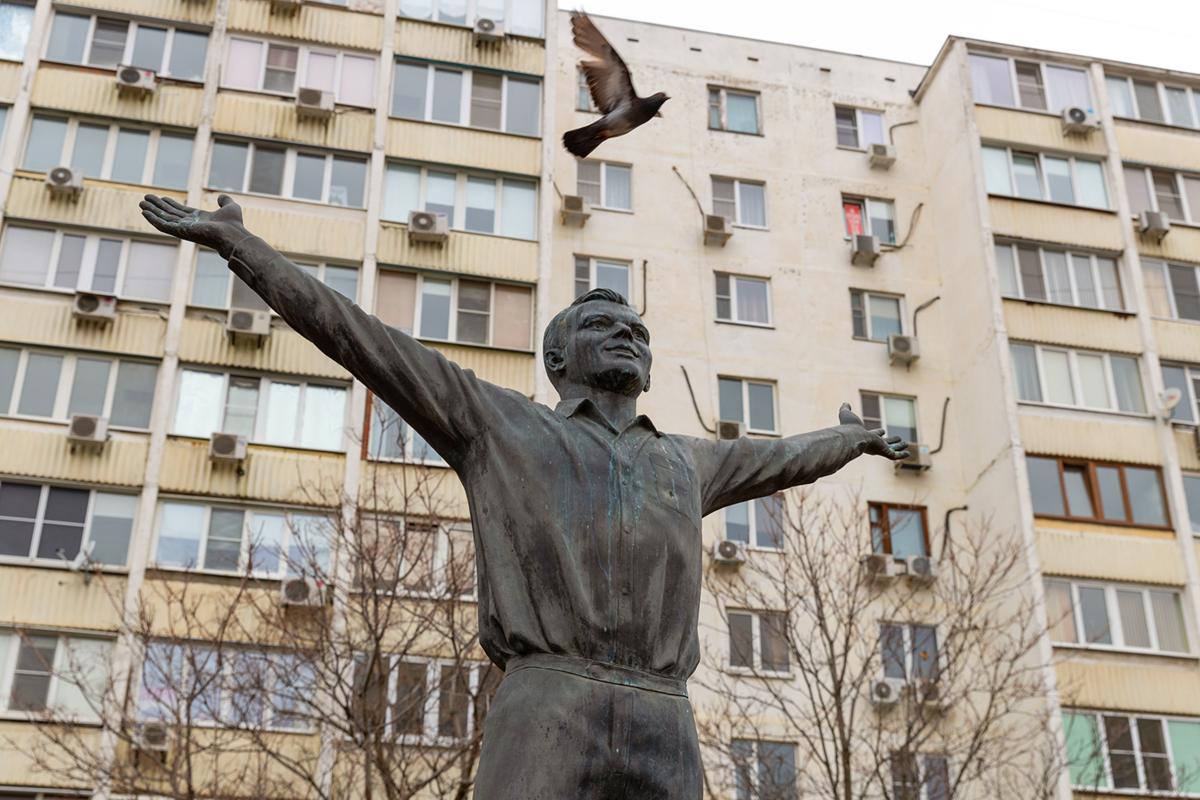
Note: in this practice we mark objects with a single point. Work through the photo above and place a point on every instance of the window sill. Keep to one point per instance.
(464, 27)
(1175, 223)
(1113, 523)
(196, 82)
(763, 228)
(35, 718)
(1054, 203)
(613, 210)
(1033, 301)
(760, 325)
(849, 238)
(300, 200)
(265, 445)
(1131, 651)
(64, 423)
(458, 126)
(747, 672)
(1151, 123)
(57, 564)
(1086, 409)
(1178, 319)
(153, 566)
(869, 340)
(475, 346)
(291, 97)
(760, 134)
(407, 462)
(1038, 111)
(156, 306)
(404, 224)
(852, 149)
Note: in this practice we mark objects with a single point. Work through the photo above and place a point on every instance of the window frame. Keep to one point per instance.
(757, 670)
(1160, 87)
(863, 202)
(752, 507)
(755, 768)
(1090, 465)
(883, 421)
(865, 296)
(858, 126)
(319, 264)
(906, 629)
(439, 562)
(903, 791)
(1046, 91)
(1191, 393)
(303, 51)
(471, 13)
(461, 177)
(1044, 179)
(464, 111)
(10, 645)
(25, 46)
(604, 165)
(1113, 611)
(884, 525)
(1164, 268)
(1073, 353)
(149, 164)
(432, 459)
(745, 382)
(1069, 253)
(288, 175)
(736, 221)
(732, 297)
(593, 261)
(171, 26)
(723, 94)
(85, 536)
(1191, 215)
(1105, 754)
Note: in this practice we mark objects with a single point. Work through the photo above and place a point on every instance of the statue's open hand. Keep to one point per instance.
(220, 229)
(878, 442)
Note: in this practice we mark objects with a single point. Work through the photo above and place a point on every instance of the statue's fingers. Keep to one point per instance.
(179, 207)
(900, 455)
(159, 206)
(880, 431)
(154, 219)
(891, 439)
(152, 212)
(224, 200)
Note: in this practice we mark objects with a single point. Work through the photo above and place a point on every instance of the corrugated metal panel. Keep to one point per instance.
(18, 769)
(1024, 127)
(1077, 438)
(204, 341)
(10, 80)
(275, 118)
(199, 11)
(86, 92)
(270, 473)
(335, 233)
(43, 452)
(510, 370)
(49, 321)
(468, 253)
(1181, 243)
(1154, 145)
(1179, 341)
(457, 46)
(57, 598)
(100, 206)
(1040, 322)
(1044, 222)
(408, 489)
(161, 595)
(1185, 446)
(450, 144)
(1110, 556)
(1151, 685)
(313, 23)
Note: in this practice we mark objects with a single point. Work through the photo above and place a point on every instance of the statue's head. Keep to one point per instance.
(598, 342)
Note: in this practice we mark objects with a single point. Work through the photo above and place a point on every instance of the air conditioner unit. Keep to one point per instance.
(886, 691)
(285, 6)
(302, 592)
(1079, 120)
(95, 307)
(929, 693)
(488, 30)
(65, 182)
(227, 448)
(881, 156)
(87, 429)
(882, 566)
(151, 737)
(728, 429)
(922, 569)
(576, 210)
(918, 458)
(903, 349)
(426, 226)
(136, 82)
(314, 104)
(864, 250)
(717, 229)
(729, 552)
(248, 322)
(1152, 224)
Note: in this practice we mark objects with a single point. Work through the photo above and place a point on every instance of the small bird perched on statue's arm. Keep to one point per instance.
(612, 91)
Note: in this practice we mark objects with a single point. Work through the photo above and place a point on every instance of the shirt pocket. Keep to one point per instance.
(675, 486)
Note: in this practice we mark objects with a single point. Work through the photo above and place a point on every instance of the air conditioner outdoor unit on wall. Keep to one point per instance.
(151, 737)
(135, 81)
(730, 429)
(922, 569)
(65, 182)
(881, 156)
(1079, 120)
(87, 429)
(314, 104)
(426, 226)
(302, 592)
(227, 448)
(903, 349)
(729, 552)
(882, 566)
(94, 307)
(576, 210)
(887, 691)
(1154, 225)
(864, 250)
(918, 458)
(249, 322)
(488, 30)
(717, 229)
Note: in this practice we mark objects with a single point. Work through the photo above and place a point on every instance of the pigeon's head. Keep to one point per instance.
(656, 100)
(600, 343)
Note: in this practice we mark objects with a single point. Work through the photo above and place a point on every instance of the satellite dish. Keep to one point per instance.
(81, 559)
(1169, 398)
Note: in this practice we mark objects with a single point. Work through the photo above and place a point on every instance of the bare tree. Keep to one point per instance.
(832, 666)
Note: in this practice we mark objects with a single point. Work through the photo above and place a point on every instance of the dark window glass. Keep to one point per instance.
(1044, 486)
(31, 677)
(1149, 107)
(924, 652)
(891, 647)
(1079, 499)
(1112, 498)
(847, 127)
(773, 632)
(741, 640)
(62, 528)
(266, 174)
(408, 711)
(453, 702)
(1121, 755)
(1146, 496)
(1031, 273)
(18, 514)
(1187, 292)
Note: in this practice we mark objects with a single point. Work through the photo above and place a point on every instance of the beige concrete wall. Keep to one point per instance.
(464, 253)
(60, 599)
(1107, 437)
(270, 474)
(1042, 131)
(1182, 243)
(275, 118)
(1047, 222)
(1076, 327)
(1124, 684)
(42, 451)
(1177, 340)
(101, 205)
(43, 319)
(1157, 145)
(10, 79)
(1115, 555)
(95, 93)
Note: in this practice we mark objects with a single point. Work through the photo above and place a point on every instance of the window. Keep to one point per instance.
(456, 309)
(742, 299)
(608, 186)
(1173, 193)
(919, 777)
(599, 273)
(758, 523)
(758, 641)
(479, 99)
(70, 261)
(1058, 376)
(875, 316)
(743, 202)
(272, 543)
(1056, 276)
(1097, 491)
(584, 101)
(476, 203)
(1152, 101)
(54, 385)
(858, 128)
(16, 20)
(749, 402)
(391, 439)
(1187, 380)
(1115, 615)
(870, 217)
(286, 413)
(44, 671)
(1040, 176)
(732, 111)
(764, 770)
(898, 415)
(908, 652)
(214, 285)
(105, 43)
(420, 557)
(1112, 751)
(287, 172)
(1191, 490)
(1027, 84)
(269, 67)
(37, 521)
(110, 152)
(897, 530)
(520, 17)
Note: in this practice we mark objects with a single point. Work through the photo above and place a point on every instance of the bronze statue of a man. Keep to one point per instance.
(586, 520)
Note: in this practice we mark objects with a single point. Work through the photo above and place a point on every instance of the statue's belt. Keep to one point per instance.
(599, 671)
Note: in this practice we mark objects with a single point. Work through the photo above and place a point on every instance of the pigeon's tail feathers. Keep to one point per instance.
(582, 141)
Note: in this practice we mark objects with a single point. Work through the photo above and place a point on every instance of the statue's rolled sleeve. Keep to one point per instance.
(733, 471)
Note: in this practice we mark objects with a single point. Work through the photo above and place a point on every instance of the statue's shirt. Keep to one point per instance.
(587, 538)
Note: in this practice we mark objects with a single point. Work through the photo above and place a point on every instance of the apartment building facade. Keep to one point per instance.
(1053, 313)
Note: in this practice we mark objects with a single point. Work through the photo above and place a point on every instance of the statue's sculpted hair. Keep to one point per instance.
(555, 337)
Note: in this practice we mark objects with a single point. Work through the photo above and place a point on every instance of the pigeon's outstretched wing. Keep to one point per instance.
(607, 76)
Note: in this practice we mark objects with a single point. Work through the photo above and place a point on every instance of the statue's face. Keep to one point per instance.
(608, 348)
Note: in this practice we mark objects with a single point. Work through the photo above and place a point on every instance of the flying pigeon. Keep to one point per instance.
(612, 90)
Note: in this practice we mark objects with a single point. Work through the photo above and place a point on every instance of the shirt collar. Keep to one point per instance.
(583, 406)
